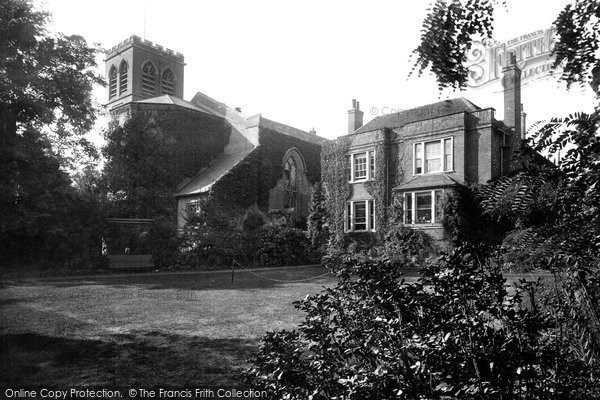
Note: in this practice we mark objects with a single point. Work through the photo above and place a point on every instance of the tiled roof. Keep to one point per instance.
(203, 180)
(428, 181)
(427, 111)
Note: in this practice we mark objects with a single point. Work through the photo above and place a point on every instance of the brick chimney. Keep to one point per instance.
(355, 117)
(511, 81)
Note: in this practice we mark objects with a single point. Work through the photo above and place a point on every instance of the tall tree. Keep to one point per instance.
(46, 83)
(46, 80)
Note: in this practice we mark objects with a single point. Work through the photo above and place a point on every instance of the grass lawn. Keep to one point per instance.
(178, 329)
(192, 329)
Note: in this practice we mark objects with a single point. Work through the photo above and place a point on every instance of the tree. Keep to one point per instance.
(139, 168)
(44, 220)
(45, 104)
(451, 26)
(45, 80)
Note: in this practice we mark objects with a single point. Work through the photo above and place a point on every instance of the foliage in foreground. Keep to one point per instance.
(455, 332)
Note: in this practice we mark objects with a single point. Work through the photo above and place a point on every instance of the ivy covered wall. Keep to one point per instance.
(251, 181)
(151, 149)
(389, 172)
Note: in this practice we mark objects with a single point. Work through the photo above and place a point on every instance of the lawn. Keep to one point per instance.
(178, 329)
(184, 329)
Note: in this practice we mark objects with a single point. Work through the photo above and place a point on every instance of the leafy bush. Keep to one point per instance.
(284, 246)
(163, 242)
(253, 220)
(210, 239)
(408, 245)
(455, 333)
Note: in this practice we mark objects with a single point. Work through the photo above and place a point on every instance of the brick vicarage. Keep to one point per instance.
(426, 151)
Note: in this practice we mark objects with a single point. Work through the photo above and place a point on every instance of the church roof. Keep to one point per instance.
(244, 138)
(445, 107)
(168, 99)
(291, 131)
(428, 181)
(203, 180)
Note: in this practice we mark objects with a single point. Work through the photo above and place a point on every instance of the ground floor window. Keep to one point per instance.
(360, 216)
(423, 207)
(193, 207)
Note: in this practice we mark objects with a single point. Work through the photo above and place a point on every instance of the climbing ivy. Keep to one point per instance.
(335, 182)
(249, 182)
(377, 188)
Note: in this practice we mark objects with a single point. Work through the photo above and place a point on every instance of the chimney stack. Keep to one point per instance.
(355, 117)
(511, 80)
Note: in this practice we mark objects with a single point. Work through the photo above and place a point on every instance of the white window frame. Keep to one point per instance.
(193, 206)
(443, 154)
(413, 207)
(349, 223)
(370, 174)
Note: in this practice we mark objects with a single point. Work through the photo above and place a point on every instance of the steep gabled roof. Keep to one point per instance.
(204, 179)
(242, 140)
(445, 107)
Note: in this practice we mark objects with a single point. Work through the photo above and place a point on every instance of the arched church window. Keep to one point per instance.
(290, 171)
(123, 70)
(291, 174)
(149, 78)
(167, 81)
(112, 82)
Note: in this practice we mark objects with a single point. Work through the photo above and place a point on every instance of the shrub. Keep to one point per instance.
(407, 245)
(210, 239)
(455, 333)
(284, 246)
(163, 243)
(253, 220)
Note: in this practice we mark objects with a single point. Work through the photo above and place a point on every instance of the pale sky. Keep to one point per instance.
(301, 62)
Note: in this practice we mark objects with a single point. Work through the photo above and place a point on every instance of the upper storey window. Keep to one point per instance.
(123, 70)
(112, 82)
(433, 156)
(362, 166)
(149, 78)
(167, 81)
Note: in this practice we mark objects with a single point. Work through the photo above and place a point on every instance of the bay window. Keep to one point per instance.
(360, 216)
(433, 156)
(423, 207)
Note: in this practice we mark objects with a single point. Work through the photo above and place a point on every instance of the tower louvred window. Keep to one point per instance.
(149, 78)
(123, 70)
(168, 82)
(112, 82)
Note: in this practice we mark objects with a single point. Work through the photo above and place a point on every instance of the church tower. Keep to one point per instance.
(137, 69)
